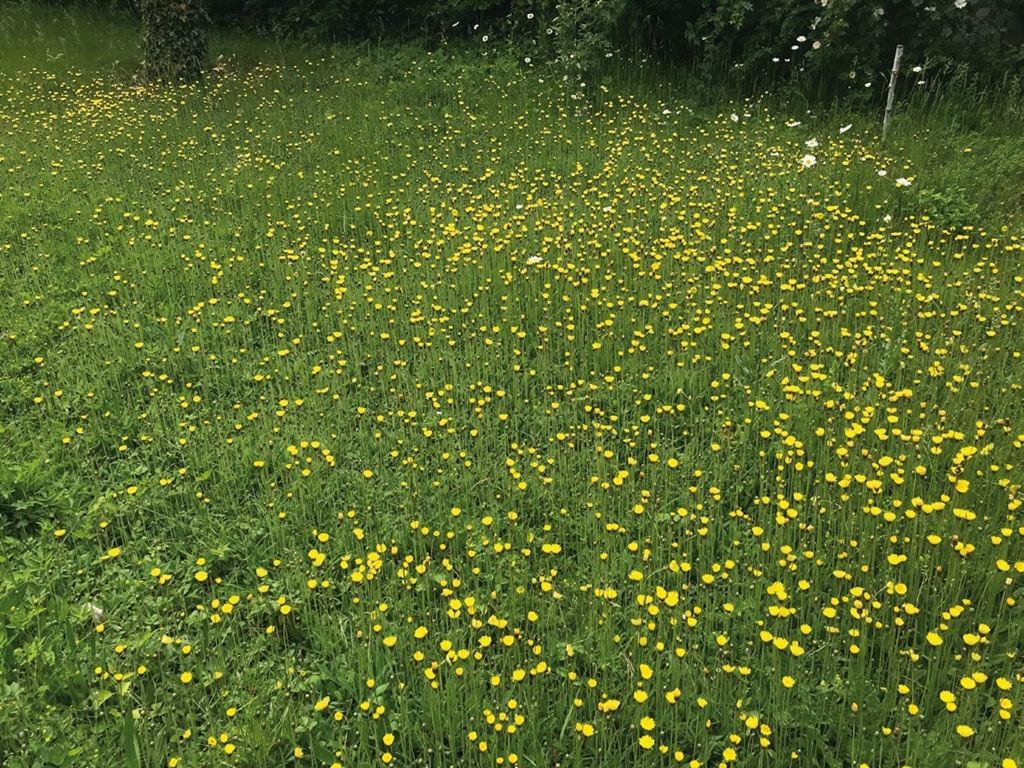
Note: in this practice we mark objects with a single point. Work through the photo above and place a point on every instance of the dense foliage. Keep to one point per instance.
(832, 39)
(835, 44)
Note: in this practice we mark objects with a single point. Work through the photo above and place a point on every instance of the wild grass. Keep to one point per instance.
(444, 416)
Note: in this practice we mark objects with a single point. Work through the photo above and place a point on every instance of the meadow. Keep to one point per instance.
(455, 415)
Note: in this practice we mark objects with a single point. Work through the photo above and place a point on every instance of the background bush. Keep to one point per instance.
(833, 46)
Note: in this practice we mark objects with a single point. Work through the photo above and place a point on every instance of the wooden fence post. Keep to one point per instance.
(892, 91)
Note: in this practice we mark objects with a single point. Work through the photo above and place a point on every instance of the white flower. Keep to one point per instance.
(485, 38)
(961, 4)
(734, 117)
(887, 218)
(529, 15)
(96, 611)
(550, 30)
(775, 59)
(535, 260)
(666, 111)
(801, 39)
(816, 44)
(808, 160)
(882, 171)
(527, 59)
(845, 128)
(916, 69)
(793, 124)
(811, 143)
(796, 47)
(902, 182)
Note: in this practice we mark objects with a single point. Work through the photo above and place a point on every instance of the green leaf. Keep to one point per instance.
(129, 741)
(100, 697)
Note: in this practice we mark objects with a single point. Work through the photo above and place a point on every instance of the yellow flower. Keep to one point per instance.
(646, 741)
(965, 731)
(729, 754)
(788, 681)
(298, 753)
(321, 705)
(186, 677)
(934, 639)
(390, 641)
(647, 723)
(202, 575)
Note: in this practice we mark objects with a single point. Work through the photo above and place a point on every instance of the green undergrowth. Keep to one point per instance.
(436, 410)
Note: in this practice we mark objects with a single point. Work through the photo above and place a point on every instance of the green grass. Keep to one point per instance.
(437, 415)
